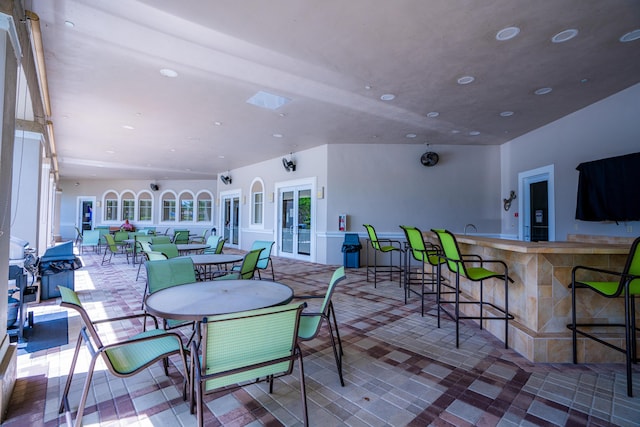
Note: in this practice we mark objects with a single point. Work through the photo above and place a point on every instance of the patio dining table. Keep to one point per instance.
(195, 301)
(203, 263)
(186, 248)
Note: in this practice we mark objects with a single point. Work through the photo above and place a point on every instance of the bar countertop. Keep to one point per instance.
(544, 247)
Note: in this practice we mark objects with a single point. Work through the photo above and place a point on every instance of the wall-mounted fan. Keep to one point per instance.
(226, 179)
(154, 186)
(289, 166)
(429, 158)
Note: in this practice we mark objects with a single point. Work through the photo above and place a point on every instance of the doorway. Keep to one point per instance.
(230, 216)
(85, 217)
(537, 207)
(296, 223)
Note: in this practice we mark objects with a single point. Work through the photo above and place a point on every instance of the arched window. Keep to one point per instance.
(257, 202)
(145, 206)
(168, 206)
(204, 207)
(110, 206)
(128, 206)
(186, 207)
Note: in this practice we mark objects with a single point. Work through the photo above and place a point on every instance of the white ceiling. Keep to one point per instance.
(332, 59)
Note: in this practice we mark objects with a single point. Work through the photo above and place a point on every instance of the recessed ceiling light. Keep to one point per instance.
(388, 97)
(410, 135)
(69, 24)
(188, 169)
(474, 133)
(630, 36)
(173, 150)
(217, 123)
(465, 80)
(221, 157)
(507, 33)
(543, 91)
(506, 113)
(455, 131)
(585, 80)
(277, 135)
(433, 114)
(110, 152)
(564, 36)
(368, 87)
(128, 127)
(167, 72)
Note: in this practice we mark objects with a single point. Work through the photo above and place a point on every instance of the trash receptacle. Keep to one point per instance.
(56, 268)
(351, 249)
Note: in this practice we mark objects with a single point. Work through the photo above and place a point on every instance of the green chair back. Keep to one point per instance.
(181, 237)
(451, 251)
(90, 238)
(373, 237)
(169, 249)
(265, 255)
(253, 344)
(112, 246)
(212, 242)
(247, 269)
(310, 324)
(166, 273)
(220, 245)
(157, 240)
(418, 249)
(120, 236)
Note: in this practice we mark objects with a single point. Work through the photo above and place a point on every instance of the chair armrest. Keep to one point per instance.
(141, 339)
(128, 317)
(307, 296)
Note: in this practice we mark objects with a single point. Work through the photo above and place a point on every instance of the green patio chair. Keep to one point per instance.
(265, 257)
(111, 249)
(165, 273)
(148, 255)
(181, 237)
(199, 239)
(473, 268)
(311, 322)
(123, 358)
(90, 239)
(102, 230)
(383, 246)
(247, 269)
(608, 284)
(169, 249)
(213, 242)
(78, 239)
(246, 348)
(426, 254)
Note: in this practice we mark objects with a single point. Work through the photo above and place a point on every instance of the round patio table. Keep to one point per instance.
(204, 262)
(185, 248)
(195, 301)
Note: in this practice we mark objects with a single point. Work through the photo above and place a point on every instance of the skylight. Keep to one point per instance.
(268, 100)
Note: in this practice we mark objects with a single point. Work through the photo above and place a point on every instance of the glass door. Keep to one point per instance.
(231, 219)
(295, 222)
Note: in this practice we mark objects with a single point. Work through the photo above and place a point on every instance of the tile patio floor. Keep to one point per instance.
(399, 369)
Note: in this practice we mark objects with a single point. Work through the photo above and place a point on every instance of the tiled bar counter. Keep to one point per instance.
(540, 298)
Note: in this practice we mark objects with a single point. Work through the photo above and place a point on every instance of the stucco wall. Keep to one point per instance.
(607, 128)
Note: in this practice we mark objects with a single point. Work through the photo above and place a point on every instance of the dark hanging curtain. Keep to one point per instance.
(609, 189)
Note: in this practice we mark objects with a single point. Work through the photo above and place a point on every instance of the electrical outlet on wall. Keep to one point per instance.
(629, 229)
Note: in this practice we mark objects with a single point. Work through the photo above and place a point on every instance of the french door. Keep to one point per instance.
(230, 216)
(296, 222)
